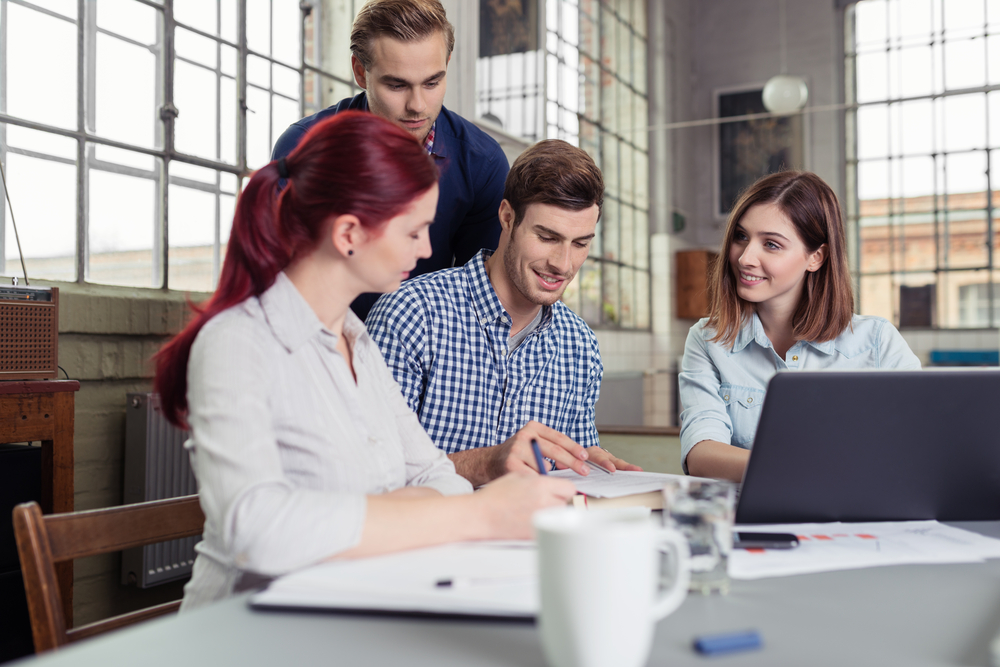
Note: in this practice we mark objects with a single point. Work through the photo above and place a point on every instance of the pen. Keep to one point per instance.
(727, 643)
(542, 468)
(600, 467)
(500, 579)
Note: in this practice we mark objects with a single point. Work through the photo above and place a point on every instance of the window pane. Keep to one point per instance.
(44, 197)
(286, 81)
(41, 142)
(228, 114)
(126, 93)
(259, 26)
(199, 14)
(258, 72)
(965, 64)
(229, 26)
(192, 172)
(128, 18)
(52, 60)
(195, 130)
(258, 128)
(65, 8)
(287, 25)
(193, 46)
(122, 232)
(192, 239)
(118, 156)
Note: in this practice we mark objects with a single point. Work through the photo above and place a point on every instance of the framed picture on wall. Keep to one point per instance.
(749, 149)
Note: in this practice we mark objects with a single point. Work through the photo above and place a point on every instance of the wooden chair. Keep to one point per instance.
(43, 541)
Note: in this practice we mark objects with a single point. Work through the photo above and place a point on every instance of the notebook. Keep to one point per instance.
(876, 446)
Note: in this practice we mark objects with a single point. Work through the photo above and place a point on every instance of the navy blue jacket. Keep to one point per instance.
(473, 170)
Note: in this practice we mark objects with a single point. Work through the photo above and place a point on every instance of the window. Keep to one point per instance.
(125, 164)
(585, 84)
(922, 144)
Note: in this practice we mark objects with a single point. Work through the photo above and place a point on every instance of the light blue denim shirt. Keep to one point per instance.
(722, 390)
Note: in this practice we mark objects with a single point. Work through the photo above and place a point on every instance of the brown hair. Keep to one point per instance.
(827, 304)
(556, 173)
(405, 20)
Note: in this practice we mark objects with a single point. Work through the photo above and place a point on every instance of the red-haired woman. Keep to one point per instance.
(302, 444)
(781, 298)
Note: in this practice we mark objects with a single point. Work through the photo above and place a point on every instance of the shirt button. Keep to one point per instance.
(795, 357)
(507, 403)
(726, 397)
(483, 321)
(504, 320)
(750, 399)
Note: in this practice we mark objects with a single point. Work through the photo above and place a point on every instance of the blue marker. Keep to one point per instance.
(542, 468)
(727, 643)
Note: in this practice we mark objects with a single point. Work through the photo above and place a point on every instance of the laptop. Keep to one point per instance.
(876, 446)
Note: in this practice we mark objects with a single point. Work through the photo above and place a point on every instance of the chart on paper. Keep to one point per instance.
(825, 547)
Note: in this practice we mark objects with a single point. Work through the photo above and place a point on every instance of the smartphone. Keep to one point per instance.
(765, 541)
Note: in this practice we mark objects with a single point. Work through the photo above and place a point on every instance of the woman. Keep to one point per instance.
(781, 299)
(302, 444)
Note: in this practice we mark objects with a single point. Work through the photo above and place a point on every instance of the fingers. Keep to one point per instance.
(560, 490)
(610, 461)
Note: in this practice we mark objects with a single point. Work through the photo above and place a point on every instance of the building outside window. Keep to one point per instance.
(922, 151)
(581, 77)
(127, 126)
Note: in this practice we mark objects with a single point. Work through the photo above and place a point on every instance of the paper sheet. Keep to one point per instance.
(491, 579)
(825, 547)
(622, 483)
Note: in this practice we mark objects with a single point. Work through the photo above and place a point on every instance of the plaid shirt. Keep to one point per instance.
(429, 141)
(444, 336)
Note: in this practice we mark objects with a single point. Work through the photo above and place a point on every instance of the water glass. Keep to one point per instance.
(703, 511)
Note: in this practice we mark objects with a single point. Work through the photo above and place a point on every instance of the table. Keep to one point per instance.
(43, 410)
(902, 615)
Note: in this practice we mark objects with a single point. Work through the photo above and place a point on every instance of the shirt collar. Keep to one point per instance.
(753, 330)
(291, 318)
(484, 298)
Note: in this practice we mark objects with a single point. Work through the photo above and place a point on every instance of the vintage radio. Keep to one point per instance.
(29, 333)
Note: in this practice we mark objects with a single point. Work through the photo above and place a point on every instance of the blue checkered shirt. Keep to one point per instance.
(444, 336)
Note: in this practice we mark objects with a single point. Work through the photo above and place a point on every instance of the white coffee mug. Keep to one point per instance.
(599, 575)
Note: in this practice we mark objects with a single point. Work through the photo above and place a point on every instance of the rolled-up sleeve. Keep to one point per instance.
(703, 414)
(262, 522)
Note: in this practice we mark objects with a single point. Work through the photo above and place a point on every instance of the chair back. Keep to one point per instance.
(44, 540)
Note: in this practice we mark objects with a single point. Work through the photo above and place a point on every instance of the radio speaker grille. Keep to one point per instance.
(29, 339)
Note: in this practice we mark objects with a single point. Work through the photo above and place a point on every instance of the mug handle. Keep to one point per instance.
(670, 599)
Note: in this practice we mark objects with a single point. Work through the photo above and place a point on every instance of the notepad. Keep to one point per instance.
(494, 579)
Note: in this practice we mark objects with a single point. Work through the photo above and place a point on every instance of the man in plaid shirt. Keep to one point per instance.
(486, 354)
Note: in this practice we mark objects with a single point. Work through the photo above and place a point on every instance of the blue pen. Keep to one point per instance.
(542, 468)
(727, 643)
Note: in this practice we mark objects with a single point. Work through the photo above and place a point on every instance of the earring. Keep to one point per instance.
(350, 252)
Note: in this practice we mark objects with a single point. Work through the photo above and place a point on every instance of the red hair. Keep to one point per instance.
(354, 163)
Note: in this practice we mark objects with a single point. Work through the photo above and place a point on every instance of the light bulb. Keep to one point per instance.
(785, 94)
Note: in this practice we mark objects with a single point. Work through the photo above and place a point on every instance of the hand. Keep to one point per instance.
(609, 460)
(516, 455)
(510, 501)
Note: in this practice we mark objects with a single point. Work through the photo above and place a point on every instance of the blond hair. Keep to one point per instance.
(405, 20)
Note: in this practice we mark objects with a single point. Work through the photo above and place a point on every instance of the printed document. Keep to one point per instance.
(824, 547)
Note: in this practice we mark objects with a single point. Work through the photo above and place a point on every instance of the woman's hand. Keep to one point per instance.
(509, 502)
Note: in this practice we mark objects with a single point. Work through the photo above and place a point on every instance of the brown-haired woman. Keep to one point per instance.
(781, 299)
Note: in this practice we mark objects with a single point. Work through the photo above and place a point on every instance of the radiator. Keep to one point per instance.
(156, 467)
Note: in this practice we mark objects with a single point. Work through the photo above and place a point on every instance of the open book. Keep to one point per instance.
(622, 489)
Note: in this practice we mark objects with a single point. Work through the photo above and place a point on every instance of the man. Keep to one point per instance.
(486, 354)
(400, 54)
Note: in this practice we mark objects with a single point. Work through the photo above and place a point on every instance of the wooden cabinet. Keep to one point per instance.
(692, 282)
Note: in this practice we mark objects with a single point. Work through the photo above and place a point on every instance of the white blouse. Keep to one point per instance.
(285, 446)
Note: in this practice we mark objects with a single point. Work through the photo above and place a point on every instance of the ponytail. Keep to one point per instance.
(353, 163)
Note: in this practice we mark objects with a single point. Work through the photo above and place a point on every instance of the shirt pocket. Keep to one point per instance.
(743, 405)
